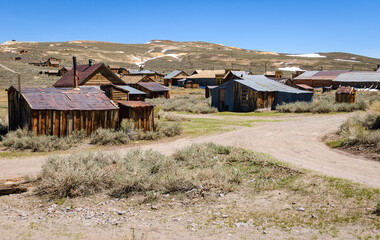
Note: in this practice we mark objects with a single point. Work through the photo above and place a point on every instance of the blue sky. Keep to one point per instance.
(272, 25)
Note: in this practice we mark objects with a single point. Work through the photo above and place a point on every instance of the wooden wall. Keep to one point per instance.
(57, 122)
(345, 97)
(248, 100)
(98, 79)
(143, 117)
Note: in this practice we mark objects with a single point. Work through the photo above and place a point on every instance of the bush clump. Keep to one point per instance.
(199, 168)
(185, 103)
(22, 139)
(363, 128)
(325, 103)
(109, 137)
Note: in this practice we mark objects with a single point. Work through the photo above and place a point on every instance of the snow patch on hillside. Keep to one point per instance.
(307, 55)
(346, 60)
(142, 61)
(292, 69)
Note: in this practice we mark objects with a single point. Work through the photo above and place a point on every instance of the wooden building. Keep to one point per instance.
(141, 113)
(132, 80)
(60, 111)
(211, 77)
(114, 68)
(123, 93)
(90, 75)
(153, 89)
(52, 72)
(191, 84)
(359, 79)
(345, 95)
(64, 70)
(172, 78)
(23, 51)
(317, 79)
(151, 74)
(254, 92)
(208, 90)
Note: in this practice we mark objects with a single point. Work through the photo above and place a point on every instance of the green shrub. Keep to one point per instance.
(184, 103)
(109, 137)
(22, 139)
(200, 167)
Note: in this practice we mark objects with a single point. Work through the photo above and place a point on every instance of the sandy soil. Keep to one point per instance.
(296, 140)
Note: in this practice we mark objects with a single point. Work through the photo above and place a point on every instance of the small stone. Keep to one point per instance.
(177, 219)
(78, 209)
(264, 232)
(301, 209)
(166, 195)
(313, 216)
(251, 181)
(224, 216)
(221, 194)
(332, 205)
(374, 230)
(101, 204)
(153, 207)
(288, 228)
(121, 212)
(241, 224)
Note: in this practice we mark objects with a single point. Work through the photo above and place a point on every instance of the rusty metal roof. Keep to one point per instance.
(359, 77)
(66, 99)
(305, 86)
(135, 104)
(344, 90)
(321, 75)
(85, 72)
(153, 86)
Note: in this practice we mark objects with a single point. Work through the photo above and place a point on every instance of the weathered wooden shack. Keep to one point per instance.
(359, 79)
(191, 84)
(90, 75)
(208, 90)
(64, 70)
(211, 77)
(141, 113)
(132, 80)
(254, 92)
(153, 89)
(150, 73)
(345, 95)
(60, 111)
(172, 78)
(317, 79)
(123, 93)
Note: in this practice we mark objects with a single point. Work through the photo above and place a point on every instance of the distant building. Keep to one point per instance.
(319, 78)
(141, 113)
(173, 77)
(345, 95)
(123, 93)
(153, 89)
(254, 92)
(211, 77)
(90, 74)
(359, 79)
(150, 73)
(132, 80)
(64, 70)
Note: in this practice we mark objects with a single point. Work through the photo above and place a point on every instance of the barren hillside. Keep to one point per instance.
(164, 56)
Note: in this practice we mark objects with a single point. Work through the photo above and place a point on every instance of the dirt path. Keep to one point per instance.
(297, 141)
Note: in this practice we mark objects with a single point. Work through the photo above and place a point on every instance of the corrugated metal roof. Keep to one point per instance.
(153, 86)
(321, 75)
(131, 90)
(263, 84)
(358, 77)
(135, 104)
(305, 86)
(67, 99)
(130, 79)
(344, 90)
(172, 74)
(141, 72)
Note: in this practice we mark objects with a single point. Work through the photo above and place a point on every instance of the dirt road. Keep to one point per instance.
(296, 140)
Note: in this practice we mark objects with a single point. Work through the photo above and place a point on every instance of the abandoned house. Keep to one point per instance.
(141, 113)
(123, 93)
(345, 95)
(151, 74)
(254, 92)
(60, 111)
(64, 70)
(90, 74)
(153, 89)
(132, 80)
(172, 78)
(211, 77)
(317, 79)
(359, 79)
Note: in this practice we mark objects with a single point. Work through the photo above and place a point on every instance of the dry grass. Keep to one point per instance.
(325, 103)
(193, 102)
